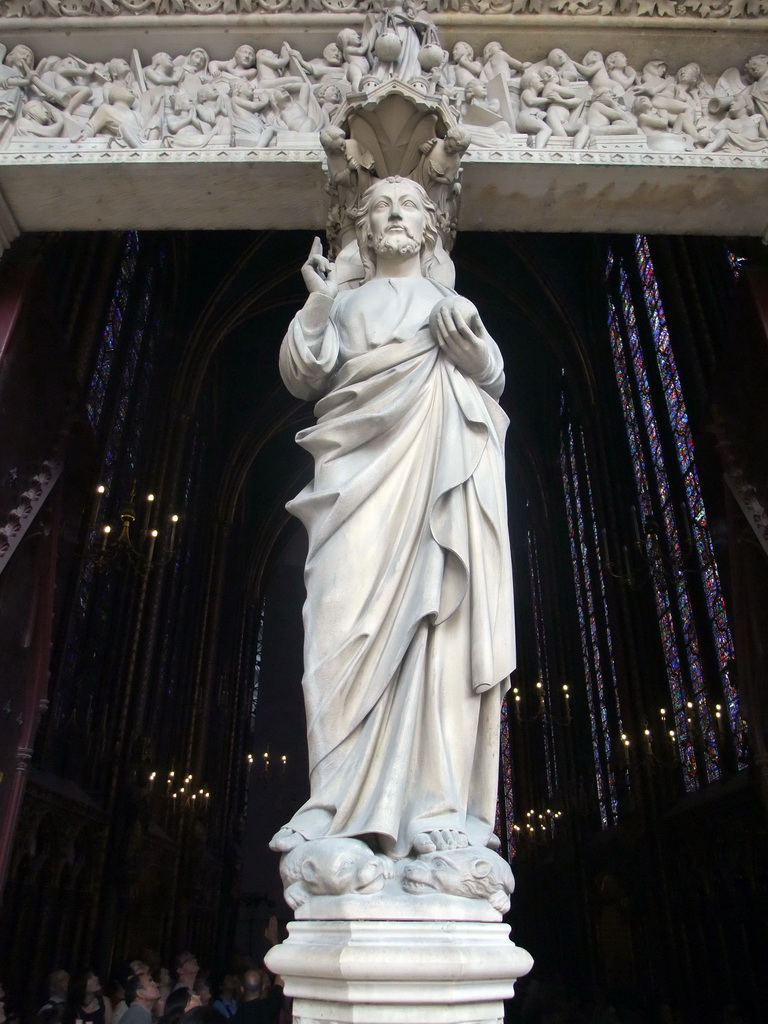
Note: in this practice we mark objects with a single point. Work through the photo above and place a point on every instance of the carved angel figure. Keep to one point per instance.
(350, 167)
(438, 173)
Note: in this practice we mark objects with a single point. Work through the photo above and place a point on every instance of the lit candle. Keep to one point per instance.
(174, 520)
(99, 494)
(106, 531)
(151, 546)
(147, 511)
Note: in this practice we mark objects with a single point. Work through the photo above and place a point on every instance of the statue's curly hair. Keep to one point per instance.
(361, 215)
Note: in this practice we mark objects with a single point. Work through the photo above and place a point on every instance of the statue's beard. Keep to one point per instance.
(400, 244)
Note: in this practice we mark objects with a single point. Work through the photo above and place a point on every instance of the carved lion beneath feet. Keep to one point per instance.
(331, 867)
(473, 872)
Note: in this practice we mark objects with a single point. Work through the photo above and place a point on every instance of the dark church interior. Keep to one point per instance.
(152, 733)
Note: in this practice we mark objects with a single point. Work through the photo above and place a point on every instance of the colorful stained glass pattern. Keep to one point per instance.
(105, 358)
(602, 698)
(505, 808)
(644, 473)
(650, 387)
(696, 525)
(542, 665)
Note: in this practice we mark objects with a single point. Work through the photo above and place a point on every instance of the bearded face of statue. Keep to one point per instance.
(396, 220)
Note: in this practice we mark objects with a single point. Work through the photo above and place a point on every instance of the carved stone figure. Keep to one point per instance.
(463, 67)
(473, 873)
(408, 616)
(240, 67)
(350, 167)
(395, 39)
(194, 70)
(496, 61)
(332, 867)
(294, 106)
(619, 71)
(563, 105)
(742, 130)
(193, 123)
(756, 70)
(270, 67)
(66, 82)
(40, 120)
(354, 52)
(329, 97)
(12, 83)
(326, 70)
(533, 109)
(116, 118)
(246, 111)
(438, 172)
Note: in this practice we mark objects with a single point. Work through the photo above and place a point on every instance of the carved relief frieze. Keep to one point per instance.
(667, 10)
(289, 104)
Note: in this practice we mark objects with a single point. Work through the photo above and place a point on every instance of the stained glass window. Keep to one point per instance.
(105, 356)
(672, 529)
(505, 807)
(605, 718)
(543, 695)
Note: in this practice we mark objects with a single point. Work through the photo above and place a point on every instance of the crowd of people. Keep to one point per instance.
(139, 994)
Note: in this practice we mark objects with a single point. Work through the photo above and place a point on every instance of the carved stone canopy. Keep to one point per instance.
(392, 122)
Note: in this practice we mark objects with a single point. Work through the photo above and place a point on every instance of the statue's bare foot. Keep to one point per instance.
(439, 839)
(285, 840)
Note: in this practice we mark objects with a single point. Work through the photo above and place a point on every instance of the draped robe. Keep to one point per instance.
(409, 636)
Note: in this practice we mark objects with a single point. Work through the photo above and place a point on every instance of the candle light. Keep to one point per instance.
(174, 520)
(106, 531)
(147, 511)
(151, 546)
(99, 494)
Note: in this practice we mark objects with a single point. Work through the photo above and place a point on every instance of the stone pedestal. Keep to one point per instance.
(398, 972)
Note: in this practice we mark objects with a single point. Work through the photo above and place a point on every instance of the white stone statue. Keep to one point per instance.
(409, 635)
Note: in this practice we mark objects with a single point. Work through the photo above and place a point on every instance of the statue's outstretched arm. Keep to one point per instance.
(310, 349)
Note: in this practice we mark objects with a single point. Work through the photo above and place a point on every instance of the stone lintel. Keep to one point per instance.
(559, 191)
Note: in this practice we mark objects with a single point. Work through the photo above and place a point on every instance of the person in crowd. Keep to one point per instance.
(51, 1010)
(226, 1003)
(187, 969)
(203, 987)
(134, 968)
(85, 1001)
(177, 1003)
(261, 999)
(201, 1015)
(141, 994)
